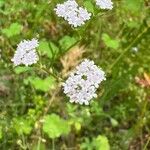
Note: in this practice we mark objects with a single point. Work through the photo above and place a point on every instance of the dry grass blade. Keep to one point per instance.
(71, 59)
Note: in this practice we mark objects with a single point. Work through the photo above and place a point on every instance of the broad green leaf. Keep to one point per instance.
(48, 48)
(89, 6)
(54, 126)
(22, 126)
(109, 42)
(19, 69)
(14, 29)
(41, 84)
(66, 42)
(101, 143)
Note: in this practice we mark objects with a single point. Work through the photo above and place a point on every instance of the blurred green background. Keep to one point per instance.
(34, 112)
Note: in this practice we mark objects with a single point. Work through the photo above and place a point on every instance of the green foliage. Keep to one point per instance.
(133, 5)
(41, 84)
(32, 97)
(2, 2)
(1, 133)
(110, 42)
(14, 29)
(66, 42)
(98, 143)
(89, 6)
(48, 48)
(101, 143)
(19, 70)
(55, 126)
(22, 126)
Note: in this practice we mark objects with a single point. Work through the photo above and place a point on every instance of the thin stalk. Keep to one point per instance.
(127, 48)
(39, 144)
(148, 141)
(49, 72)
(53, 144)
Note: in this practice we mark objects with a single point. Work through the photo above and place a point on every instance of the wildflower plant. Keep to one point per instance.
(71, 12)
(62, 98)
(26, 53)
(81, 86)
(104, 4)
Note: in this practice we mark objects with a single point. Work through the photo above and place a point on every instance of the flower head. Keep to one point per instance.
(81, 86)
(104, 4)
(72, 13)
(26, 53)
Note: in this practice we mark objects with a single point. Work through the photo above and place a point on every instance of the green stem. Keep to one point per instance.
(41, 67)
(39, 143)
(53, 144)
(148, 141)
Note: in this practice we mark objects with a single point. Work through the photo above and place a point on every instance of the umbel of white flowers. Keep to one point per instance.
(104, 4)
(82, 84)
(26, 53)
(71, 12)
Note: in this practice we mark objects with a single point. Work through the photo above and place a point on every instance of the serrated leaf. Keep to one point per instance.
(14, 29)
(101, 143)
(41, 84)
(66, 42)
(54, 126)
(109, 42)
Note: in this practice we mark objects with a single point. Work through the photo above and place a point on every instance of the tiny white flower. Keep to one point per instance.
(72, 13)
(26, 53)
(104, 4)
(81, 86)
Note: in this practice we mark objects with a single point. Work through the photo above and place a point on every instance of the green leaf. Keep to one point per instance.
(54, 126)
(89, 6)
(41, 84)
(2, 2)
(14, 29)
(22, 126)
(66, 42)
(110, 42)
(48, 48)
(77, 126)
(101, 143)
(133, 5)
(19, 70)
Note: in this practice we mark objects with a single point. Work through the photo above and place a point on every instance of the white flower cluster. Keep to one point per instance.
(104, 4)
(81, 86)
(72, 13)
(26, 53)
